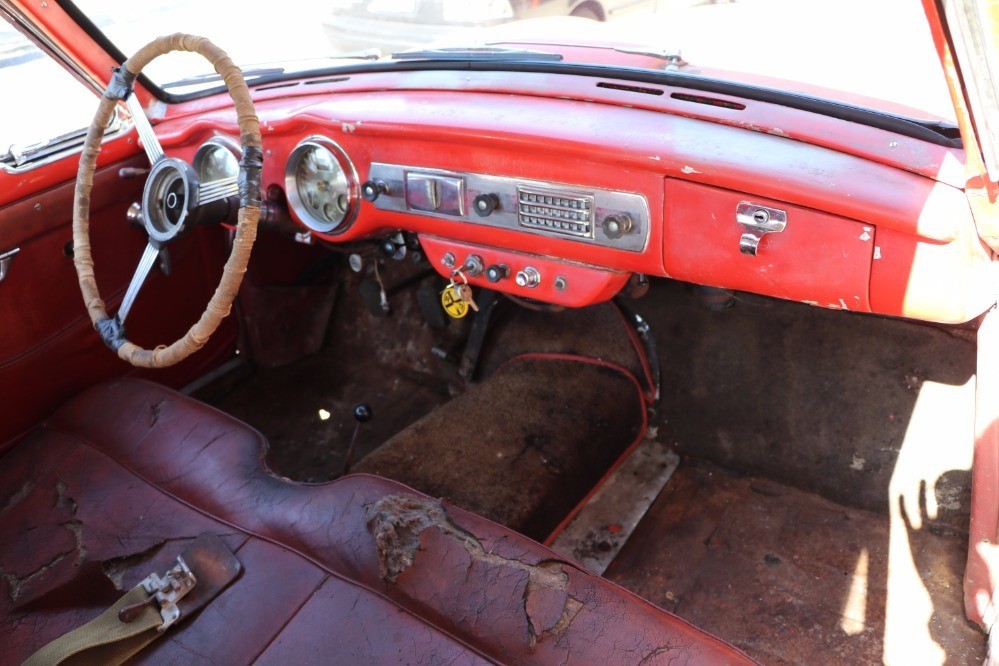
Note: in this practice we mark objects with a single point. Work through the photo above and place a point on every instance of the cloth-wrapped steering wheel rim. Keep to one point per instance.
(249, 212)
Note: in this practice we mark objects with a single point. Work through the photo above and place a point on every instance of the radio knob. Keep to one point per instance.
(529, 277)
(373, 189)
(485, 204)
(616, 226)
(497, 272)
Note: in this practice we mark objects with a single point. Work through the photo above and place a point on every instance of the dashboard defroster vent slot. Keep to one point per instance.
(566, 213)
(635, 89)
(709, 101)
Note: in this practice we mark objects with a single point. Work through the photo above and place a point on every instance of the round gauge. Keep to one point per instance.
(217, 159)
(321, 184)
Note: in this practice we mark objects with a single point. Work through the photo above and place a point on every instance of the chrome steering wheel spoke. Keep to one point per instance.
(146, 263)
(149, 141)
(217, 190)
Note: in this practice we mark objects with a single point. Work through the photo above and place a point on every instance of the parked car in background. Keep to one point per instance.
(395, 25)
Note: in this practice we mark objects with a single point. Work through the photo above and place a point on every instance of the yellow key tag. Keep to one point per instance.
(453, 305)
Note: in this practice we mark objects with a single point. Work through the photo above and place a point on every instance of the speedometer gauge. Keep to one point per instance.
(217, 159)
(321, 184)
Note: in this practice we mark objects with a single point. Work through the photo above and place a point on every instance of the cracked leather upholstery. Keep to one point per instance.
(359, 570)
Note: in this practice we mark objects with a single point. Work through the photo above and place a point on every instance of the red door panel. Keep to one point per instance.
(48, 348)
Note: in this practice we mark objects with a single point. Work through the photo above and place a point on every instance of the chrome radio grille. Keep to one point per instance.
(560, 212)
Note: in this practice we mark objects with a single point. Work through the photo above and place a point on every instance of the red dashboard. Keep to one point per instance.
(587, 184)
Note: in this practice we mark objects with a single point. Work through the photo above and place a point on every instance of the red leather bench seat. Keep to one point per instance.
(360, 570)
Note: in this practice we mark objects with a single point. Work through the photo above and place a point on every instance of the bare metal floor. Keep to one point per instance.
(792, 578)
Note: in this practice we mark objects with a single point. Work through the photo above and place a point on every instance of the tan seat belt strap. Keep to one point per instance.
(105, 639)
(147, 610)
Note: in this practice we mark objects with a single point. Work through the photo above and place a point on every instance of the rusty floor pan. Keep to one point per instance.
(792, 578)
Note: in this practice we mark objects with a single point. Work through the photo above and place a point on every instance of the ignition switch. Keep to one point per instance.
(473, 265)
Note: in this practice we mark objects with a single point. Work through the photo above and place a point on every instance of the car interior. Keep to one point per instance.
(543, 351)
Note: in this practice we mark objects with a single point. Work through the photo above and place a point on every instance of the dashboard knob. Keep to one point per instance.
(485, 204)
(529, 277)
(373, 189)
(616, 226)
(497, 272)
(473, 265)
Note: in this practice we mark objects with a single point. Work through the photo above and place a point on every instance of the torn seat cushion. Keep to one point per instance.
(360, 570)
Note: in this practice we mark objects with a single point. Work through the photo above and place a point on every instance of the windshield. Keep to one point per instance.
(879, 50)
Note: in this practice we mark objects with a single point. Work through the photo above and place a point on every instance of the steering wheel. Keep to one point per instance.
(173, 202)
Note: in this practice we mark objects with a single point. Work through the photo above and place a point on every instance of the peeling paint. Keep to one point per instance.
(689, 170)
(877, 252)
(865, 236)
(857, 463)
(842, 304)
(347, 128)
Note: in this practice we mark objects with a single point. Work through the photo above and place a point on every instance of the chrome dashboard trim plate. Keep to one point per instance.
(582, 223)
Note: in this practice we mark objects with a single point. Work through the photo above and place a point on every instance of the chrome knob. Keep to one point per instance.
(485, 204)
(616, 226)
(373, 189)
(134, 214)
(529, 277)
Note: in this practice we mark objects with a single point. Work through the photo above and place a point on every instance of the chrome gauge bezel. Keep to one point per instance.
(218, 141)
(295, 203)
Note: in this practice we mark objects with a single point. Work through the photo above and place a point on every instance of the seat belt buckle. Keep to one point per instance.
(165, 592)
